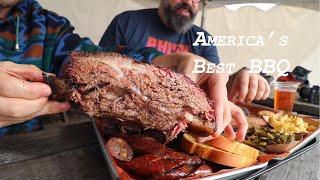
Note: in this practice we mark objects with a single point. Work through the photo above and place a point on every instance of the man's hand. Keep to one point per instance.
(23, 96)
(244, 87)
(225, 111)
(215, 87)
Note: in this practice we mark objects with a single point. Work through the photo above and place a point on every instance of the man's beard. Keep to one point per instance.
(177, 22)
(8, 3)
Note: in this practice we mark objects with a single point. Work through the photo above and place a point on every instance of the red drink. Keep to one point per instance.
(284, 100)
(284, 95)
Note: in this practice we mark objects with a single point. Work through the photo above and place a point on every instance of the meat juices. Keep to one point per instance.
(112, 85)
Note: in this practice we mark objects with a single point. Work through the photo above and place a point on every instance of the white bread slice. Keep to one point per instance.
(213, 154)
(234, 147)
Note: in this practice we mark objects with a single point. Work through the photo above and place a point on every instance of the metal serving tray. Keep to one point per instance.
(234, 173)
(302, 144)
(107, 157)
(226, 173)
(309, 119)
(275, 163)
(250, 172)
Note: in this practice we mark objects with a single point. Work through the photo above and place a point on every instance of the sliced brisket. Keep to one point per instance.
(112, 85)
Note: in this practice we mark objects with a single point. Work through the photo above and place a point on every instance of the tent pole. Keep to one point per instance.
(204, 12)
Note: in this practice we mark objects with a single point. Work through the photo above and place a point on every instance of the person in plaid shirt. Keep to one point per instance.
(33, 40)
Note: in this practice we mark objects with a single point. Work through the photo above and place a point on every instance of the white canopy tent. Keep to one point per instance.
(297, 19)
(216, 3)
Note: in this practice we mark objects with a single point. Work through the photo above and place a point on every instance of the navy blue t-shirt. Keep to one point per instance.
(144, 28)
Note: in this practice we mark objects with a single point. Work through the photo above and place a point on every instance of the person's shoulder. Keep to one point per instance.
(196, 29)
(54, 19)
(38, 12)
(137, 13)
(34, 9)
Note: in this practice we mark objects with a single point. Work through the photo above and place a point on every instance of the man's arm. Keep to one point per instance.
(210, 53)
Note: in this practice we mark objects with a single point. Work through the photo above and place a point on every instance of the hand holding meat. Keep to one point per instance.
(246, 87)
(215, 86)
(225, 111)
(22, 95)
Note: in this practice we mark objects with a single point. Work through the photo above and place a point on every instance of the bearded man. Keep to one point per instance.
(170, 29)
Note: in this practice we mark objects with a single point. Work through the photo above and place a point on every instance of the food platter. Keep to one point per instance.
(163, 140)
(249, 172)
(276, 163)
(306, 139)
(224, 173)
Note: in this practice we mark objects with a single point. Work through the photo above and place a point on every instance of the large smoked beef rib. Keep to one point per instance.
(112, 85)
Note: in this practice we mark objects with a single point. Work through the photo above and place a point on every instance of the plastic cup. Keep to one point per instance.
(284, 95)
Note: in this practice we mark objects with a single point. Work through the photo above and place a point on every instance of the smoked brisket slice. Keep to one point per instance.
(108, 85)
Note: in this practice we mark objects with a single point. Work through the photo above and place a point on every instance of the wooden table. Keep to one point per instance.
(70, 151)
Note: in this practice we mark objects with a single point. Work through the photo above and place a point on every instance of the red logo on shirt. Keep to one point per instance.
(166, 47)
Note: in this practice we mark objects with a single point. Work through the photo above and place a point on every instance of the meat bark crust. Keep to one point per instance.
(113, 85)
